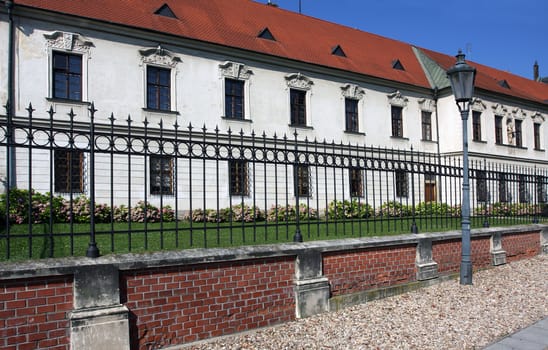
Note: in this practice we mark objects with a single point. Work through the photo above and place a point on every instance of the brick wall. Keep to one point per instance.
(33, 313)
(183, 304)
(354, 271)
(521, 245)
(448, 254)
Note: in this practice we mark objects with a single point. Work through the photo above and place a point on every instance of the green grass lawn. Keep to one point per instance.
(63, 240)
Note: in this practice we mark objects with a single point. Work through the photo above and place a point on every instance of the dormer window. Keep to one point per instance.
(165, 11)
(266, 34)
(338, 51)
(396, 64)
(504, 84)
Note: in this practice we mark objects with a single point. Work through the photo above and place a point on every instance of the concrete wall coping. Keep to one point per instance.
(68, 266)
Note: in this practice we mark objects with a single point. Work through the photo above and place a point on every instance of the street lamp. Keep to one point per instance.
(462, 77)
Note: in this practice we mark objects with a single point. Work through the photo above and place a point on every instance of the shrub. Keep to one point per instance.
(393, 209)
(349, 210)
(281, 213)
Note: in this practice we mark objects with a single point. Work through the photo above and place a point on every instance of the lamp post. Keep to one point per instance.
(462, 77)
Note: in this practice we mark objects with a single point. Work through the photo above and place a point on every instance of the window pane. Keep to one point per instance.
(298, 107)
(67, 76)
(161, 175)
(238, 178)
(234, 98)
(68, 171)
(351, 109)
(158, 88)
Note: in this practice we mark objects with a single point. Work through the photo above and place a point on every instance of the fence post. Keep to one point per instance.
(93, 251)
(311, 287)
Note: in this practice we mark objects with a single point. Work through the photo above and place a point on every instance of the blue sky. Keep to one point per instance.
(505, 34)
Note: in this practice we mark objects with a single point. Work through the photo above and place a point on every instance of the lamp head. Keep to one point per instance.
(462, 77)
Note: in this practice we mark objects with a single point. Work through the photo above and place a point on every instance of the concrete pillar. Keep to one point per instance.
(498, 255)
(427, 268)
(544, 241)
(98, 321)
(311, 288)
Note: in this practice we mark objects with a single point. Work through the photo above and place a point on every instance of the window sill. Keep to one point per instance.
(428, 141)
(160, 111)
(511, 146)
(539, 150)
(400, 138)
(479, 141)
(230, 119)
(301, 126)
(357, 133)
(68, 101)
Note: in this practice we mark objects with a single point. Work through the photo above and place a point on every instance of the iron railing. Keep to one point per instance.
(159, 186)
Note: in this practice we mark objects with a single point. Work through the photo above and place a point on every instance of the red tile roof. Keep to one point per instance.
(491, 79)
(237, 23)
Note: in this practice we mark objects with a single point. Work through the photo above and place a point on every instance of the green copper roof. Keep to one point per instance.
(435, 74)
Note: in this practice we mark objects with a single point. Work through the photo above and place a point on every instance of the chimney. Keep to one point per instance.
(270, 3)
(535, 71)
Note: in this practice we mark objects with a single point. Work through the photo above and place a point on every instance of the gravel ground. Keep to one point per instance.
(444, 316)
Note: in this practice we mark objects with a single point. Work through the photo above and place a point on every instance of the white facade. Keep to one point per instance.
(114, 77)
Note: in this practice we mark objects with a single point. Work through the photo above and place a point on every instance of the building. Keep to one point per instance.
(247, 67)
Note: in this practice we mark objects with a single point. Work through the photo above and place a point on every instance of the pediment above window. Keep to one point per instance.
(397, 99)
(519, 113)
(299, 81)
(68, 41)
(427, 105)
(478, 105)
(160, 56)
(499, 109)
(352, 91)
(235, 70)
(538, 117)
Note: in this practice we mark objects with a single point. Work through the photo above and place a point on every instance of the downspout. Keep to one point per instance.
(438, 182)
(10, 105)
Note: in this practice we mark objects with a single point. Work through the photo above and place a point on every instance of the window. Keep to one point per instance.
(517, 133)
(302, 180)
(239, 178)
(481, 186)
(351, 112)
(298, 107)
(498, 130)
(402, 185)
(69, 171)
(476, 126)
(158, 88)
(234, 98)
(504, 196)
(161, 175)
(522, 188)
(426, 125)
(356, 182)
(542, 193)
(67, 76)
(536, 135)
(397, 122)
(429, 187)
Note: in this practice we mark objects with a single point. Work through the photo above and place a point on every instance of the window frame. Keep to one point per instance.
(67, 73)
(397, 121)
(476, 126)
(238, 186)
(230, 98)
(64, 174)
(160, 190)
(426, 125)
(536, 136)
(352, 115)
(298, 110)
(518, 132)
(158, 105)
(401, 183)
(482, 191)
(498, 130)
(302, 189)
(356, 182)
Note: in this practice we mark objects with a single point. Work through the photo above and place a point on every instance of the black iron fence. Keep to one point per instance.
(82, 185)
